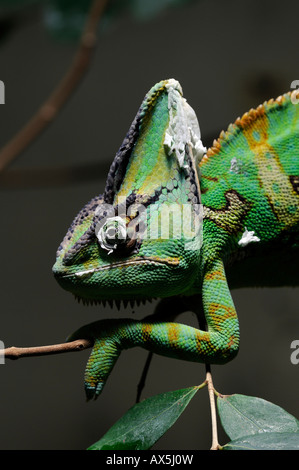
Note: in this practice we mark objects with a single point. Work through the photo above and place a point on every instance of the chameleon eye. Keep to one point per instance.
(113, 234)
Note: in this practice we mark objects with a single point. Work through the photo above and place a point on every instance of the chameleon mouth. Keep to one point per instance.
(172, 262)
(73, 281)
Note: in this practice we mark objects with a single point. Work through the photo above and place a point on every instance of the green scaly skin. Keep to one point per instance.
(248, 185)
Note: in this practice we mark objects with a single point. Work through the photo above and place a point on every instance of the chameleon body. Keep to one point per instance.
(177, 221)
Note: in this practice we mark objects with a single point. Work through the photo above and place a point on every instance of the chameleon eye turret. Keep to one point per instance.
(112, 234)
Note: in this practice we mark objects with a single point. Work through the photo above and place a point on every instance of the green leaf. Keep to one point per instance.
(146, 422)
(243, 416)
(266, 441)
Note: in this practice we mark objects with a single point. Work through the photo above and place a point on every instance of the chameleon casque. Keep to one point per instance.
(178, 222)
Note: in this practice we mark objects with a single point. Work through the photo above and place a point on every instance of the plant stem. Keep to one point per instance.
(209, 381)
(141, 384)
(73, 346)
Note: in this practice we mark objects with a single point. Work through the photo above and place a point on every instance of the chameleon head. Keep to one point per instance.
(141, 238)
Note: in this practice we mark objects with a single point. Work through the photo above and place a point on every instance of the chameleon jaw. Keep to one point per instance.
(74, 282)
(115, 302)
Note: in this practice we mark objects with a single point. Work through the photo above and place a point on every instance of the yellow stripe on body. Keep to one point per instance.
(278, 188)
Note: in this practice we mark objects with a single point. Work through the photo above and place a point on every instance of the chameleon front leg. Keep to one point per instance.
(217, 345)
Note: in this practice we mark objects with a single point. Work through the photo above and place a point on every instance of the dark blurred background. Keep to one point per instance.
(228, 56)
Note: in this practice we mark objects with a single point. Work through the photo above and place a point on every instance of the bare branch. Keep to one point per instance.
(141, 384)
(72, 346)
(49, 110)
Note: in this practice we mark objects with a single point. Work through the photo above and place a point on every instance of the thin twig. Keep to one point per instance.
(215, 443)
(141, 384)
(73, 346)
(49, 110)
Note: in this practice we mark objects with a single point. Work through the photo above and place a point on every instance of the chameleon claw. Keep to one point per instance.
(92, 392)
(89, 393)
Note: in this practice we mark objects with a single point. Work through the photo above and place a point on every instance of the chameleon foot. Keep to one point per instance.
(105, 352)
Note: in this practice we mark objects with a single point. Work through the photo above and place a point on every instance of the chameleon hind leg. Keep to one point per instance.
(217, 345)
